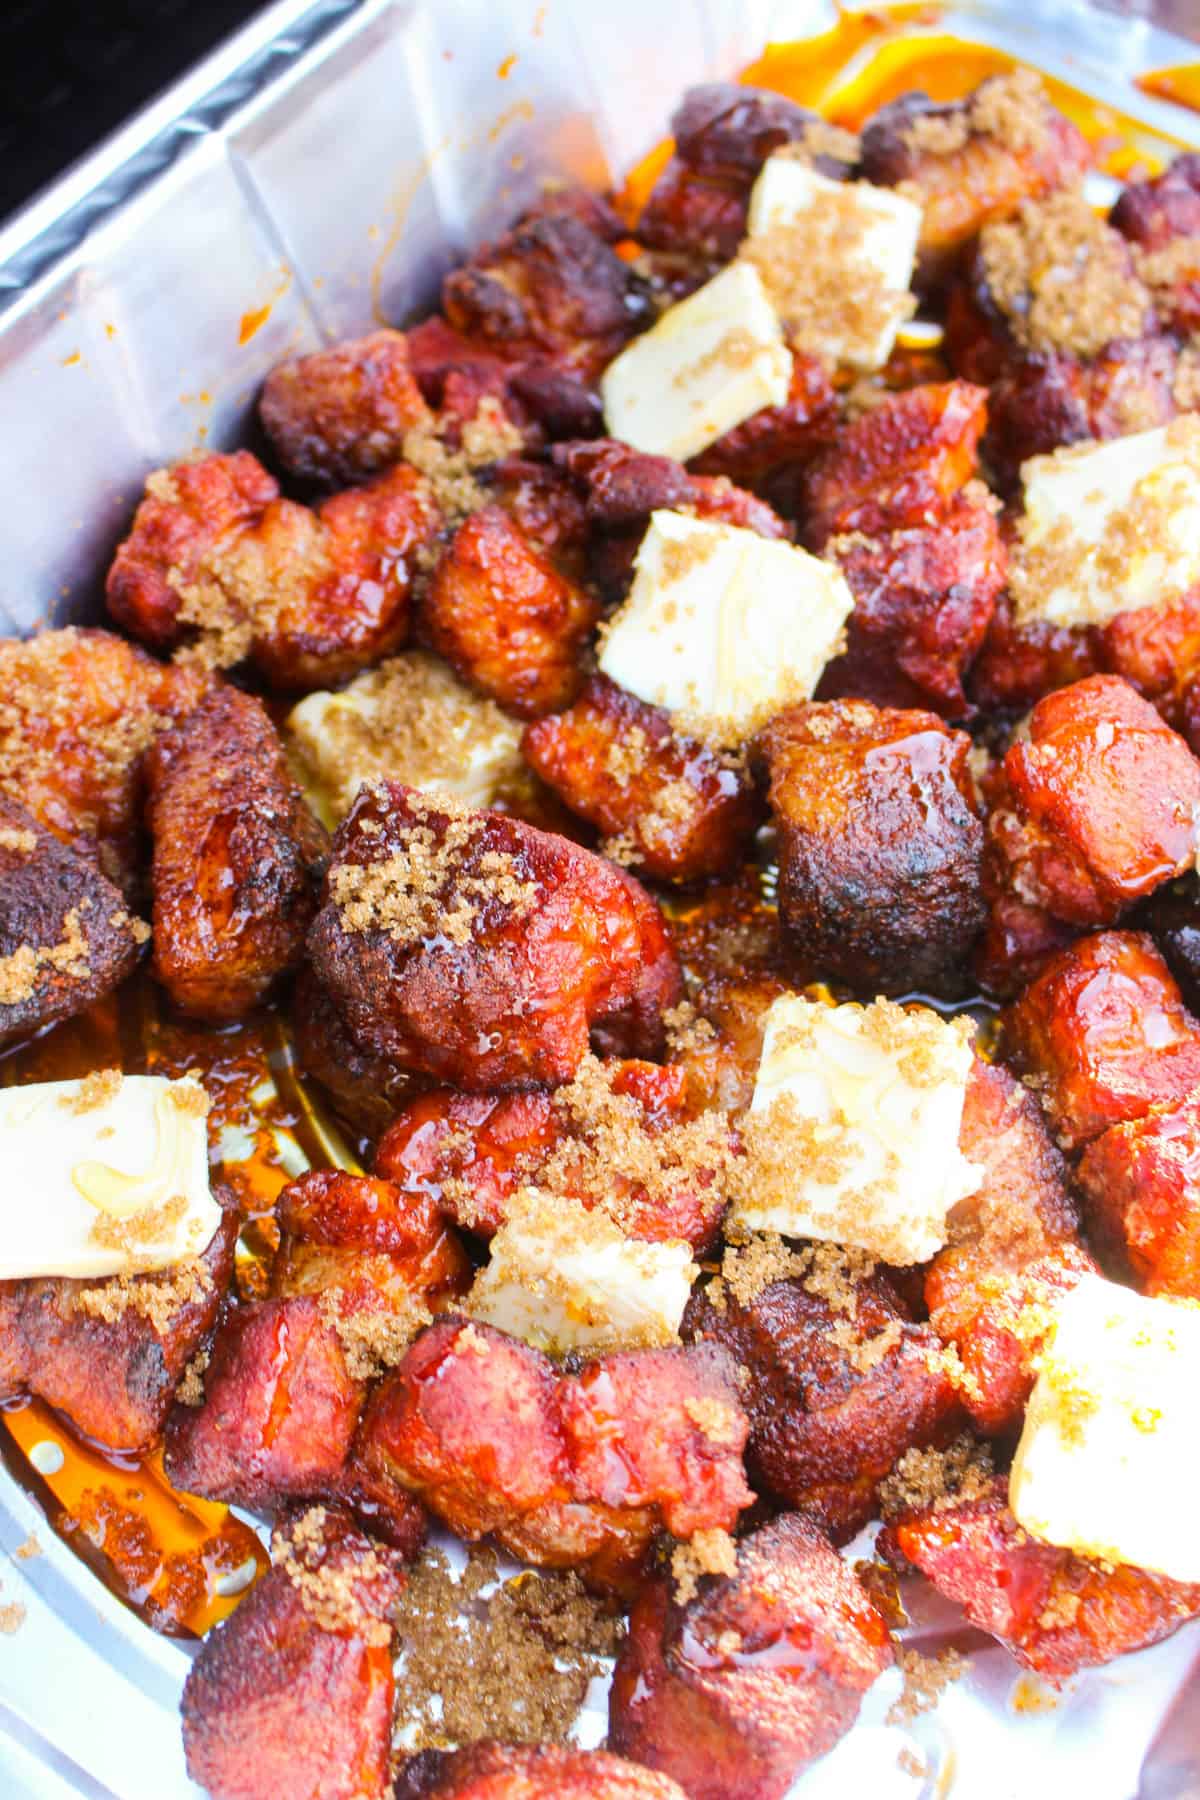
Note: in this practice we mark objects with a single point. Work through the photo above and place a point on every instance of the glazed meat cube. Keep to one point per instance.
(505, 619)
(291, 1697)
(236, 857)
(65, 936)
(1020, 662)
(1103, 1035)
(900, 466)
(1054, 1611)
(79, 710)
(1097, 804)
(923, 600)
(479, 950)
(835, 1395)
(1141, 1183)
(538, 398)
(668, 805)
(880, 845)
(972, 160)
(109, 1355)
(366, 1090)
(340, 415)
(492, 1771)
(621, 487)
(469, 1153)
(739, 1690)
(1162, 218)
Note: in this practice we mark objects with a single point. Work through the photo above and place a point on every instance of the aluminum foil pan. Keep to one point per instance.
(312, 178)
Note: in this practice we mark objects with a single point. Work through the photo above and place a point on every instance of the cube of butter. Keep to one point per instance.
(836, 259)
(708, 363)
(1106, 1458)
(564, 1277)
(852, 1132)
(1109, 527)
(724, 627)
(107, 1176)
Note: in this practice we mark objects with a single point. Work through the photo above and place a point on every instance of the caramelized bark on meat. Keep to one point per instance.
(110, 1354)
(493, 1771)
(1161, 217)
(1103, 1035)
(565, 1470)
(880, 845)
(923, 600)
(1141, 1184)
(835, 1395)
(237, 856)
(505, 619)
(479, 950)
(676, 810)
(365, 1089)
(65, 936)
(1018, 663)
(1054, 1611)
(291, 1697)
(762, 1672)
(340, 415)
(536, 394)
(78, 710)
(900, 466)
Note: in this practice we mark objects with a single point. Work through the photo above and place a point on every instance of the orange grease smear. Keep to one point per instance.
(252, 322)
(1180, 84)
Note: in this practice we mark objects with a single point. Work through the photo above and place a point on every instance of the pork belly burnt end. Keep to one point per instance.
(365, 1090)
(341, 415)
(880, 845)
(237, 857)
(479, 950)
(1103, 1035)
(1141, 1186)
(565, 1470)
(1162, 218)
(110, 1354)
(1054, 1611)
(292, 1695)
(493, 1771)
(835, 1396)
(762, 1672)
(668, 805)
(65, 936)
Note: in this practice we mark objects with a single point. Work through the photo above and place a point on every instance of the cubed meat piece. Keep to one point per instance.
(1141, 1183)
(109, 1355)
(1103, 1036)
(738, 1691)
(695, 218)
(340, 415)
(621, 487)
(880, 844)
(359, 1212)
(66, 938)
(479, 950)
(835, 1395)
(901, 465)
(291, 1696)
(972, 160)
(668, 805)
(537, 396)
(493, 1771)
(1054, 1611)
(389, 1254)
(237, 857)
(923, 600)
(1019, 662)
(365, 1090)
(1018, 941)
(79, 710)
(778, 437)
(505, 619)
(468, 1153)
(1161, 217)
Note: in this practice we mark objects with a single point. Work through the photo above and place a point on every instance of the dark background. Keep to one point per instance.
(69, 74)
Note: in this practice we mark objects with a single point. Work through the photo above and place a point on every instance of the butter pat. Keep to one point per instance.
(1106, 1460)
(107, 1176)
(565, 1277)
(836, 259)
(709, 362)
(1109, 527)
(724, 627)
(852, 1133)
(410, 719)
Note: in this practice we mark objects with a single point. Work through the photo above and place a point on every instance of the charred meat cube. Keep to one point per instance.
(237, 856)
(366, 1090)
(1103, 1035)
(1161, 217)
(65, 936)
(1054, 1611)
(836, 1392)
(505, 619)
(1141, 1183)
(340, 415)
(292, 1695)
(493, 1771)
(1021, 661)
(880, 845)
(669, 806)
(469, 1153)
(738, 1691)
(479, 950)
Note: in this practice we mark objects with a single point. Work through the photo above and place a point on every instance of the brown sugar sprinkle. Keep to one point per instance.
(137, 928)
(705, 1553)
(719, 1421)
(189, 1097)
(513, 1664)
(372, 1342)
(451, 473)
(938, 134)
(626, 756)
(946, 1361)
(190, 1391)
(159, 1299)
(937, 1479)
(1062, 277)
(22, 972)
(12, 1617)
(23, 842)
(1060, 1611)
(909, 1763)
(29, 1549)
(737, 349)
(98, 1089)
(689, 1033)
(1014, 110)
(147, 1226)
(1185, 386)
(329, 1593)
(926, 1679)
(819, 139)
(866, 1353)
